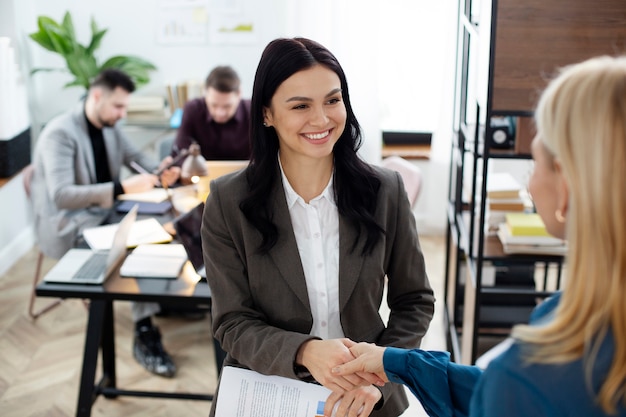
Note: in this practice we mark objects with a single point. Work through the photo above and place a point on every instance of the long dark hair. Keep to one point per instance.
(355, 183)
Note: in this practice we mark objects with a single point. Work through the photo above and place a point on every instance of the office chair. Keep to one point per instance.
(27, 176)
(411, 175)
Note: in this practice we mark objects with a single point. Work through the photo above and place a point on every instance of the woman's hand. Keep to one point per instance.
(321, 356)
(358, 402)
(369, 360)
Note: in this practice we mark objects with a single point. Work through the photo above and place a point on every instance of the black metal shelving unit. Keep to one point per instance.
(520, 44)
(472, 308)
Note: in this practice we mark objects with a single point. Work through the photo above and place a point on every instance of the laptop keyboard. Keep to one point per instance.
(93, 268)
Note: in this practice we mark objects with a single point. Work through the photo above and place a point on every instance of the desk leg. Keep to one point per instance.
(109, 378)
(87, 391)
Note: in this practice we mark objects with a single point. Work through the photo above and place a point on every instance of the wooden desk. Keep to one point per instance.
(100, 337)
(407, 151)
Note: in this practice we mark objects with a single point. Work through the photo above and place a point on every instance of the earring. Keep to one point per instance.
(559, 216)
(265, 124)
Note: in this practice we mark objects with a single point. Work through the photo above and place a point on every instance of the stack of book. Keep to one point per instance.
(147, 111)
(526, 233)
(504, 195)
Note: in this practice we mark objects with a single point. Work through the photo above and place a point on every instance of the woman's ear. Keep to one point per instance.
(562, 189)
(267, 117)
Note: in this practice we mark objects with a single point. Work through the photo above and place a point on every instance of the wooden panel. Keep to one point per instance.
(535, 37)
(524, 134)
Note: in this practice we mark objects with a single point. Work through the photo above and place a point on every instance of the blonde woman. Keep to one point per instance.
(571, 359)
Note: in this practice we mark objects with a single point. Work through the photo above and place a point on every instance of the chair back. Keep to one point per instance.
(411, 175)
(27, 177)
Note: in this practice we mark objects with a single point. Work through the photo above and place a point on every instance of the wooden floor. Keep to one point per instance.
(40, 360)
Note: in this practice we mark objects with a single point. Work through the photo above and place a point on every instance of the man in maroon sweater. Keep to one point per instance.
(219, 122)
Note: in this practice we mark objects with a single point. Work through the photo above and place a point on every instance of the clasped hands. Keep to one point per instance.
(347, 369)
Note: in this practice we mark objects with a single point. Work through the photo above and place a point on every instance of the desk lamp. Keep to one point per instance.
(194, 166)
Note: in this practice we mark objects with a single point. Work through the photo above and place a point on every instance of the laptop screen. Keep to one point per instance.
(188, 230)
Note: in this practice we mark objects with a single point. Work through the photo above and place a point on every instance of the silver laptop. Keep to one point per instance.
(88, 266)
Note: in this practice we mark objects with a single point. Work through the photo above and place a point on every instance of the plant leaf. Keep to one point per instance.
(68, 26)
(42, 37)
(96, 39)
(36, 70)
(80, 60)
(83, 66)
(58, 37)
(43, 40)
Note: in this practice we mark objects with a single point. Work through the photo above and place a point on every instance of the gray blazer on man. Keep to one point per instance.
(260, 308)
(65, 195)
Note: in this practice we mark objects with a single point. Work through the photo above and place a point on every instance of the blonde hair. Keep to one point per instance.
(581, 120)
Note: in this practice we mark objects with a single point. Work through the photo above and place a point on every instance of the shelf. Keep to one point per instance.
(492, 81)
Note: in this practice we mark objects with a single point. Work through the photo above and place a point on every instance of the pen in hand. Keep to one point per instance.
(142, 170)
(134, 165)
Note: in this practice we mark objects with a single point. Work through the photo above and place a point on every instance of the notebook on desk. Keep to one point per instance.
(88, 266)
(188, 231)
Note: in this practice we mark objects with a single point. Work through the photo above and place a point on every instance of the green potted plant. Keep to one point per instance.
(80, 59)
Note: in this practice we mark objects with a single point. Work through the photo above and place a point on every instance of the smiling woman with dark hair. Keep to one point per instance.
(299, 246)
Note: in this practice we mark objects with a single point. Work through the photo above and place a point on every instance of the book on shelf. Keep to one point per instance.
(526, 224)
(541, 245)
(505, 235)
(506, 204)
(502, 185)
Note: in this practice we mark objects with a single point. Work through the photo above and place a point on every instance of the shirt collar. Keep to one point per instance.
(292, 197)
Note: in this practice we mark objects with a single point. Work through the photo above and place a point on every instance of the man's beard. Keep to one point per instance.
(107, 123)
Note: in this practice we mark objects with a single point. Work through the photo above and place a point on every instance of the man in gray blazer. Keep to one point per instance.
(78, 158)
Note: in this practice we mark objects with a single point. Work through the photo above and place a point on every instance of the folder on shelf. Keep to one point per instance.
(503, 185)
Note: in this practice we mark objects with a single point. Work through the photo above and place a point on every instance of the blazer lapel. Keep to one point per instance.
(350, 262)
(84, 142)
(285, 253)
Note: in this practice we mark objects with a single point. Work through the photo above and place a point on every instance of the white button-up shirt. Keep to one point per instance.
(316, 227)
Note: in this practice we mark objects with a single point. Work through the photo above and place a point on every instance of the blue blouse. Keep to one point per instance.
(508, 387)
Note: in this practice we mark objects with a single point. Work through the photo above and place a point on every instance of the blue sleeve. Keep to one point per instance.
(443, 388)
(505, 393)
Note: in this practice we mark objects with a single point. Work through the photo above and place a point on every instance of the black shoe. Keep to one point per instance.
(149, 352)
(184, 313)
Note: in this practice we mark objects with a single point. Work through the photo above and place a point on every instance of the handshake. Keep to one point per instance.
(352, 371)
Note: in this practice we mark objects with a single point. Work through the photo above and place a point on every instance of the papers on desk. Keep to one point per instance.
(143, 231)
(246, 393)
(155, 195)
(154, 261)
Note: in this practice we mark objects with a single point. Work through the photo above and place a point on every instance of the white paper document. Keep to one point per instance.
(143, 231)
(155, 261)
(245, 393)
(155, 195)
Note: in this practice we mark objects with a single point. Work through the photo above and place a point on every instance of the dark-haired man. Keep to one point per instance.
(219, 121)
(78, 158)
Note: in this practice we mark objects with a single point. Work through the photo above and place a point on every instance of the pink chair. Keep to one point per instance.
(411, 175)
(27, 175)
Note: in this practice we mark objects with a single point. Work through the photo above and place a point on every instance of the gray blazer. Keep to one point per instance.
(65, 195)
(261, 312)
